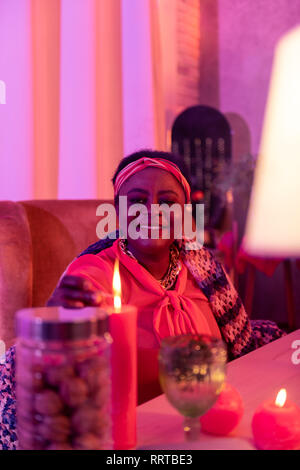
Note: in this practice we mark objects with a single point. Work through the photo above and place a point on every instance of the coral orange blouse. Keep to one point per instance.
(161, 313)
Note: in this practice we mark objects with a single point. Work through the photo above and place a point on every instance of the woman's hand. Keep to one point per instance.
(75, 292)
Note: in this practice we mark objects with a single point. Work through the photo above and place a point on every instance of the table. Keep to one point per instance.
(258, 376)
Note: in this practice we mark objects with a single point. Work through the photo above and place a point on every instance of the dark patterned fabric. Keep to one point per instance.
(240, 334)
(8, 436)
(100, 245)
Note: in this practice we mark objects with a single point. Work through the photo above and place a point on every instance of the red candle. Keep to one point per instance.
(225, 414)
(123, 329)
(276, 424)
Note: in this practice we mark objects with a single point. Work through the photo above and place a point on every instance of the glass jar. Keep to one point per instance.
(63, 380)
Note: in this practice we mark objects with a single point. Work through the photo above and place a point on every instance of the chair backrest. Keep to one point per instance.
(38, 239)
(202, 136)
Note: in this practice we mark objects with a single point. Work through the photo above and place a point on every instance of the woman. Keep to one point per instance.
(176, 290)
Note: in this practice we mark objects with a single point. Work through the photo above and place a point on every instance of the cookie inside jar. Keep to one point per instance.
(63, 379)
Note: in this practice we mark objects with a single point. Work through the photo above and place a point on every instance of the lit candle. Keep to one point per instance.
(225, 414)
(123, 329)
(117, 288)
(276, 424)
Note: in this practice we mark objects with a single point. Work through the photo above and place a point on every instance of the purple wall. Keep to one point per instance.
(240, 68)
(248, 32)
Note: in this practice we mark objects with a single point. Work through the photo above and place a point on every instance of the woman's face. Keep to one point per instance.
(152, 186)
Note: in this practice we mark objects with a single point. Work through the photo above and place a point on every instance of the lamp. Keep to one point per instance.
(273, 221)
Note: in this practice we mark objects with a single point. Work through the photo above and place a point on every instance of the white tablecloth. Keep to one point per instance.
(258, 376)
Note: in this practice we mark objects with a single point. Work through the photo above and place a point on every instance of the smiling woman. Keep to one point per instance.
(176, 290)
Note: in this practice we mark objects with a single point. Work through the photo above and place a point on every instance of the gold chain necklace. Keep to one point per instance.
(174, 268)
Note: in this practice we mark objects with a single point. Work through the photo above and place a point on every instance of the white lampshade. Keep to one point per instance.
(273, 223)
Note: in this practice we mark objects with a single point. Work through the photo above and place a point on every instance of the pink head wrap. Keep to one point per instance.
(144, 162)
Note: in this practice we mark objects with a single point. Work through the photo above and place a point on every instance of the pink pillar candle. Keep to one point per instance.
(123, 329)
(276, 425)
(225, 414)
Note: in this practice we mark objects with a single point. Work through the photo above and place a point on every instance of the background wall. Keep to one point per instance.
(90, 80)
(181, 46)
(219, 53)
(248, 32)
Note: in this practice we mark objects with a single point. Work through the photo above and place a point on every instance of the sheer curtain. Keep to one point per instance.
(83, 88)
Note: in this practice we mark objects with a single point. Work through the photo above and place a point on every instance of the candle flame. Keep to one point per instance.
(281, 398)
(229, 196)
(117, 286)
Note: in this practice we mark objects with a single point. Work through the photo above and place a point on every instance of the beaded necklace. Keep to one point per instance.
(169, 279)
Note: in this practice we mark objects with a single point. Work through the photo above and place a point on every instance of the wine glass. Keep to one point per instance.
(192, 370)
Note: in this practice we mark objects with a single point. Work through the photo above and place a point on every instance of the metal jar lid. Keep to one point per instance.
(58, 323)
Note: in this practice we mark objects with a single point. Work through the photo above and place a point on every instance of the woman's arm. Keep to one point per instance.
(87, 282)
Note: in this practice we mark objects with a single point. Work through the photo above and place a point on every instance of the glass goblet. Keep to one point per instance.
(192, 370)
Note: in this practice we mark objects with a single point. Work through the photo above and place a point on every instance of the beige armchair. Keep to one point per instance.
(38, 239)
